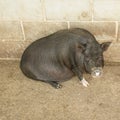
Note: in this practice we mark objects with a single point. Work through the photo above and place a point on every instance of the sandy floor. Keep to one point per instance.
(25, 99)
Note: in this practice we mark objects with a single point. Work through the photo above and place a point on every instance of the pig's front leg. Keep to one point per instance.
(80, 76)
(84, 82)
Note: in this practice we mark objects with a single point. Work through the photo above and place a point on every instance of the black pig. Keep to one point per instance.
(62, 55)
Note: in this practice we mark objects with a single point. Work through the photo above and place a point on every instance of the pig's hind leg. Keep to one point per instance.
(55, 84)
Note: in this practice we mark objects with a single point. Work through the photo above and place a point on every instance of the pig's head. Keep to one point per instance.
(93, 58)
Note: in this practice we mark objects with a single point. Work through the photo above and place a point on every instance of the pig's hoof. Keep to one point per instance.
(84, 83)
(58, 86)
(55, 84)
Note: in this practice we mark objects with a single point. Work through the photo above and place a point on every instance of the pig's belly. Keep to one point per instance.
(55, 74)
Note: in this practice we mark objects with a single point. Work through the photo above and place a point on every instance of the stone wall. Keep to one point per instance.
(23, 21)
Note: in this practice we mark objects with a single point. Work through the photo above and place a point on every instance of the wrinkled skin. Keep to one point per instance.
(62, 55)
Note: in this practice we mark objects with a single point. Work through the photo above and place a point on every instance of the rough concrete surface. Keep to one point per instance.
(25, 99)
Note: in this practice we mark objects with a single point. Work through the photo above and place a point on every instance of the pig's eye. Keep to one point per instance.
(87, 58)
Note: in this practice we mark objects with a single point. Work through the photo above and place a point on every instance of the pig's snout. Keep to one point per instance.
(96, 72)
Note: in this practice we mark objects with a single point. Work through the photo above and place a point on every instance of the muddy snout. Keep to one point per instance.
(96, 72)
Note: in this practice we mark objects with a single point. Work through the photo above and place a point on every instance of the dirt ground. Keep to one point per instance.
(25, 99)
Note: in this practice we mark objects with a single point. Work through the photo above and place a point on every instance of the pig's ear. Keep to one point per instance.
(105, 46)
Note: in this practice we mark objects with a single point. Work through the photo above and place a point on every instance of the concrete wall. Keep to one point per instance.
(23, 21)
